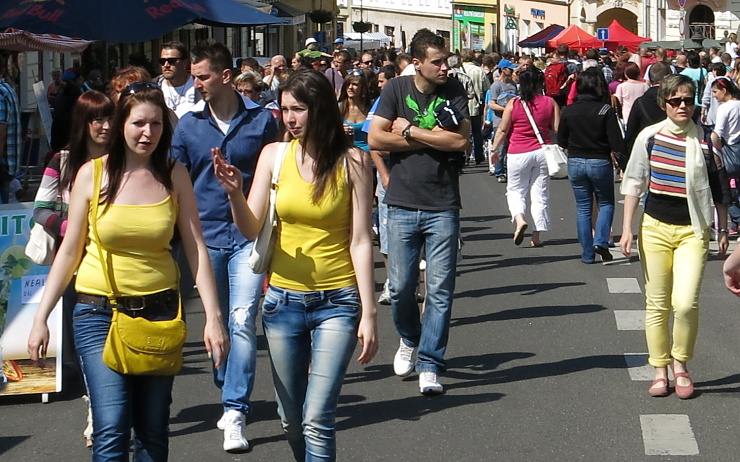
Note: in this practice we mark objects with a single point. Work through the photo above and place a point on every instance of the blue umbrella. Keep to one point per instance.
(124, 20)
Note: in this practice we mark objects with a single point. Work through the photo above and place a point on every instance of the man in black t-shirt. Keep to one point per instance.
(423, 198)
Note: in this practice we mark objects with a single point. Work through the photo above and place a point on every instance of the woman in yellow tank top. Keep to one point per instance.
(143, 197)
(321, 299)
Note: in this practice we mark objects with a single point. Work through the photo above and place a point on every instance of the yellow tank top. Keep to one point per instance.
(136, 242)
(312, 246)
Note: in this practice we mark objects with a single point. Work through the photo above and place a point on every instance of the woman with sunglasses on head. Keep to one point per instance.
(320, 299)
(683, 178)
(354, 105)
(89, 139)
(143, 197)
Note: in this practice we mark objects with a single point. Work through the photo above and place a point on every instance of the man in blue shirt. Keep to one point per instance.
(239, 128)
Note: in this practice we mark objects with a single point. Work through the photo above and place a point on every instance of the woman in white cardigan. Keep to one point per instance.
(671, 162)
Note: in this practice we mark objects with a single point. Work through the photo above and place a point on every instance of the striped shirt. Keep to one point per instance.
(50, 207)
(668, 165)
(10, 116)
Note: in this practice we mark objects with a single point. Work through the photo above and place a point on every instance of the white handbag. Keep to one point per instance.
(259, 258)
(557, 161)
(42, 246)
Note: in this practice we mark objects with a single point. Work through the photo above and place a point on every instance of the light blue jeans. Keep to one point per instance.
(239, 292)
(120, 402)
(437, 231)
(311, 337)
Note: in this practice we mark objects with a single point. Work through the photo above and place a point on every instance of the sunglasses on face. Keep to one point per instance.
(170, 61)
(136, 87)
(368, 63)
(676, 102)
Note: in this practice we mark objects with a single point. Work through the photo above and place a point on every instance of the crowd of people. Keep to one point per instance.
(159, 183)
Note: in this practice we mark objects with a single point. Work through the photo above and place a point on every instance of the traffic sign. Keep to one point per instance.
(602, 33)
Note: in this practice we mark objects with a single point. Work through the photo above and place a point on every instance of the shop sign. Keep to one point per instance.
(462, 14)
(538, 14)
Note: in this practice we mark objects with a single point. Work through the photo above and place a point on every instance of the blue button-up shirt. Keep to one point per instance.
(251, 128)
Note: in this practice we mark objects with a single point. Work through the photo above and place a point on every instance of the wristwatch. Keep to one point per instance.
(407, 131)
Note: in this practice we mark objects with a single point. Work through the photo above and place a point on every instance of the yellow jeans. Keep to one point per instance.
(673, 259)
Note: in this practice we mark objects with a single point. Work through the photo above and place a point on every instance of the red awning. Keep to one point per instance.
(574, 37)
(619, 36)
(21, 40)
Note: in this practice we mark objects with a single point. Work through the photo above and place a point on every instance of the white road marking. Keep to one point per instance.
(668, 435)
(638, 367)
(630, 319)
(623, 286)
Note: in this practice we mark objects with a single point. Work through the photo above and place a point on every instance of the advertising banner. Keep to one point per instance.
(21, 285)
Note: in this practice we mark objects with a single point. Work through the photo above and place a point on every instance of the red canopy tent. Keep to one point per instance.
(618, 36)
(574, 37)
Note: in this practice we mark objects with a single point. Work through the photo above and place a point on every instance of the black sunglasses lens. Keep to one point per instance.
(139, 86)
(171, 61)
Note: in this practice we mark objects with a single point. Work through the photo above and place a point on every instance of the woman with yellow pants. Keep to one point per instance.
(672, 163)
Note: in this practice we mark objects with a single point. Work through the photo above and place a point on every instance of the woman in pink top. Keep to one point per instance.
(631, 89)
(526, 164)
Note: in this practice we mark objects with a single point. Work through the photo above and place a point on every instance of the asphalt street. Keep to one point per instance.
(545, 364)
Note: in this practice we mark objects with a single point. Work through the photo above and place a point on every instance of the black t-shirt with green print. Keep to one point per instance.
(424, 179)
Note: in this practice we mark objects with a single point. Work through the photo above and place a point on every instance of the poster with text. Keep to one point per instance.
(21, 285)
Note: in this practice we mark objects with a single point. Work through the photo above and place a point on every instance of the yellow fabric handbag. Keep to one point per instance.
(136, 345)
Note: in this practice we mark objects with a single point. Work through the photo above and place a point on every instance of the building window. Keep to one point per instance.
(376, 28)
(389, 30)
(445, 34)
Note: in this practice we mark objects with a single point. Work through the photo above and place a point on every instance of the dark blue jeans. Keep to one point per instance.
(590, 177)
(437, 232)
(120, 402)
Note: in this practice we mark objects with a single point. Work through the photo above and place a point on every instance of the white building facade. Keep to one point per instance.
(398, 19)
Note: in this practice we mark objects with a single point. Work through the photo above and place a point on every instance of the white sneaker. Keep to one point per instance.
(429, 385)
(402, 364)
(234, 439)
(221, 424)
(385, 296)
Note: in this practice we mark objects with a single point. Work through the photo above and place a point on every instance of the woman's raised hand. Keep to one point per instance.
(229, 176)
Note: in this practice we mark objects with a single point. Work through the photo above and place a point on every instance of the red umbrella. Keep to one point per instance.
(619, 36)
(574, 37)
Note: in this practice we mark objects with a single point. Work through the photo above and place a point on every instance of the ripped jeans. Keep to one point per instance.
(239, 292)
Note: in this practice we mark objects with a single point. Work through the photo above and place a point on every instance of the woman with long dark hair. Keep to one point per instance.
(526, 164)
(354, 105)
(122, 253)
(320, 300)
(89, 138)
(588, 130)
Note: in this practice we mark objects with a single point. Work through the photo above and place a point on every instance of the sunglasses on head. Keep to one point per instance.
(170, 61)
(357, 73)
(136, 87)
(676, 102)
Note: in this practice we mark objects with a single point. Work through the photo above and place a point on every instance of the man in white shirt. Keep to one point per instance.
(273, 81)
(476, 75)
(176, 82)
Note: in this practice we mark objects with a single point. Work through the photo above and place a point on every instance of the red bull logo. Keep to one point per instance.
(172, 6)
(45, 10)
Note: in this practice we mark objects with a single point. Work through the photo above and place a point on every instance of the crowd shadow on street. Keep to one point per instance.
(203, 417)
(532, 259)
(409, 408)
(716, 384)
(484, 218)
(482, 370)
(8, 442)
(522, 289)
(526, 313)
